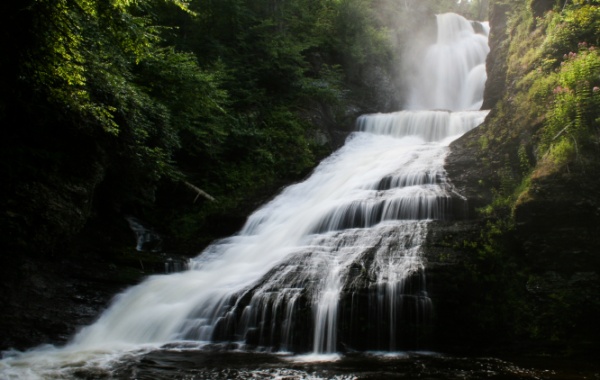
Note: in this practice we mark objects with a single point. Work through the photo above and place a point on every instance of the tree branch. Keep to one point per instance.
(199, 192)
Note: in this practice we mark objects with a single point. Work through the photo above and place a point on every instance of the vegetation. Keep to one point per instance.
(153, 108)
(535, 253)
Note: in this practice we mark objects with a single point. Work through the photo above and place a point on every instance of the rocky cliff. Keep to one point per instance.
(524, 270)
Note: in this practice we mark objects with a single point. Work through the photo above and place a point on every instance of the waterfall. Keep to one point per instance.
(351, 231)
(333, 262)
(452, 76)
(145, 237)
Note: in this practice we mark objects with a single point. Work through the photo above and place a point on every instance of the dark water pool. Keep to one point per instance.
(217, 365)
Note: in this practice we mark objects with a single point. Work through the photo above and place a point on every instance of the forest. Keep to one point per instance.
(186, 114)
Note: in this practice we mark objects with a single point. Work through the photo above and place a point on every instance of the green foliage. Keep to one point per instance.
(573, 119)
(357, 35)
(152, 94)
(473, 9)
(560, 69)
(578, 23)
(92, 87)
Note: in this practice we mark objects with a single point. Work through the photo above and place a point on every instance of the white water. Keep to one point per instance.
(358, 222)
(453, 75)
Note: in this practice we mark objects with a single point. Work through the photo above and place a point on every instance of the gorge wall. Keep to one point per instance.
(524, 270)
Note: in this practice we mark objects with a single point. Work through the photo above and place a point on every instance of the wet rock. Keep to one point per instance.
(544, 259)
(496, 64)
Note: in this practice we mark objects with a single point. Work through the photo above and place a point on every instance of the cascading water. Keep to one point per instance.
(452, 75)
(333, 262)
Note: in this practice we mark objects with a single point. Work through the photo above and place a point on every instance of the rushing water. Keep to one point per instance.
(331, 264)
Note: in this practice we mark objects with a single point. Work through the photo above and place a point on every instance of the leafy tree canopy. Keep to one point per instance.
(218, 94)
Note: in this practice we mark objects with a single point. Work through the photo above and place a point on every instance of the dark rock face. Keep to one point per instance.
(47, 301)
(559, 223)
(467, 172)
(450, 287)
(495, 64)
(44, 298)
(365, 323)
(534, 283)
(539, 7)
(557, 227)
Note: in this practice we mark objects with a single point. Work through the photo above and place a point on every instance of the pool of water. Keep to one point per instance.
(217, 364)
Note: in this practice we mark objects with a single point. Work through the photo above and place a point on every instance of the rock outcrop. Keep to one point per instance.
(523, 271)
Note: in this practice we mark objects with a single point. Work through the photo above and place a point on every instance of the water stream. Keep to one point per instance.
(331, 264)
